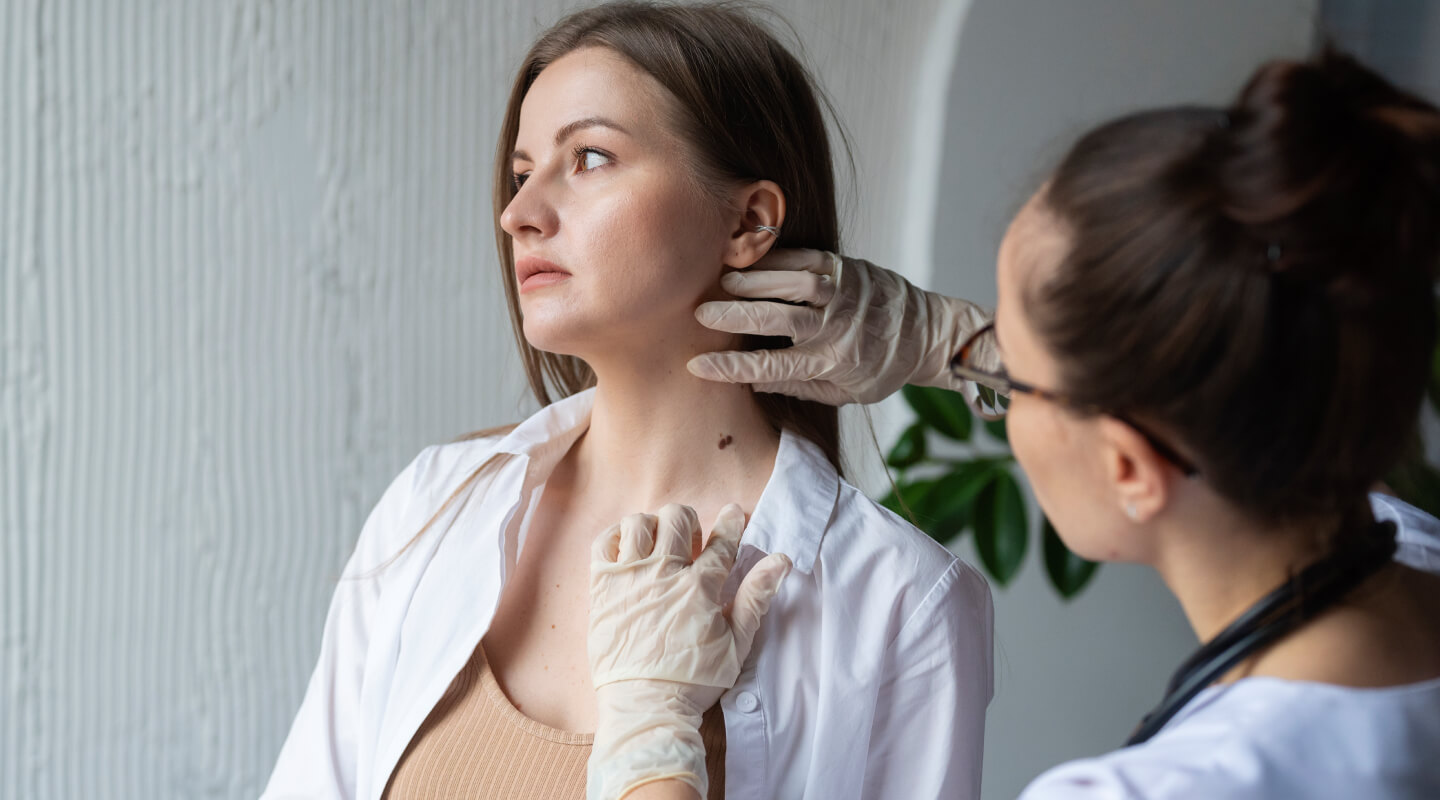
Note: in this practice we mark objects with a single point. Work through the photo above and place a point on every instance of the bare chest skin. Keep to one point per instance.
(536, 643)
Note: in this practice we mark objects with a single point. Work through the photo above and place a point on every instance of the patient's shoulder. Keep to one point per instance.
(418, 491)
(862, 529)
(446, 465)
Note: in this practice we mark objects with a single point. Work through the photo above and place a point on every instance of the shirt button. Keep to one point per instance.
(746, 702)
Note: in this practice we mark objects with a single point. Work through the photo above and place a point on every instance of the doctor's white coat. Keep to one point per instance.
(1268, 739)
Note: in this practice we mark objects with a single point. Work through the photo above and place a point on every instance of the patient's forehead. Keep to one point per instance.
(594, 82)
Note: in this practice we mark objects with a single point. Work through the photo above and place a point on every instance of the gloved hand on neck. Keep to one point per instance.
(860, 332)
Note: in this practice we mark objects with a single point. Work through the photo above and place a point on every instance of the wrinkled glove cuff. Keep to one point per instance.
(949, 322)
(646, 731)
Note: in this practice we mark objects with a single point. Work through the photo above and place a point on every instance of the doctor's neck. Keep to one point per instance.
(1219, 562)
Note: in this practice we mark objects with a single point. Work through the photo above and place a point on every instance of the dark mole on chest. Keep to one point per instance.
(726, 440)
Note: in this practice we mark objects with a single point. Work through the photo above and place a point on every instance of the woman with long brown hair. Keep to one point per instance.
(1215, 329)
(645, 150)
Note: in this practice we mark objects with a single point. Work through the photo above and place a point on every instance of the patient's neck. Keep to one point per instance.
(660, 435)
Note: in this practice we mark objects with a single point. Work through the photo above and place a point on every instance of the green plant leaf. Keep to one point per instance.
(996, 429)
(910, 450)
(1001, 530)
(1417, 483)
(912, 492)
(1434, 389)
(1068, 572)
(942, 410)
(949, 505)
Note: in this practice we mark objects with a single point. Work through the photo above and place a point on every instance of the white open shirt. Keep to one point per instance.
(1272, 739)
(869, 677)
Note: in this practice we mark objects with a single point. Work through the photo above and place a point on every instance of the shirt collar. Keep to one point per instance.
(548, 435)
(794, 509)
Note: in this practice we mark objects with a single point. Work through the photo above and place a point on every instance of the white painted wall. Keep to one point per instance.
(246, 272)
(1029, 76)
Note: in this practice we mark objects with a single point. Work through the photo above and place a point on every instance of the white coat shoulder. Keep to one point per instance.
(1260, 737)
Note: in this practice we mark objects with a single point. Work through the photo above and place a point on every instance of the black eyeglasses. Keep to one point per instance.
(979, 362)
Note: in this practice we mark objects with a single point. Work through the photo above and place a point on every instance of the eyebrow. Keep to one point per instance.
(570, 129)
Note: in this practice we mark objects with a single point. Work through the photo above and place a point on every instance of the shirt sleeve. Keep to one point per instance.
(1079, 781)
(928, 732)
(318, 759)
(1215, 761)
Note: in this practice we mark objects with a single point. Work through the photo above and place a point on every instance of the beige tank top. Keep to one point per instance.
(476, 744)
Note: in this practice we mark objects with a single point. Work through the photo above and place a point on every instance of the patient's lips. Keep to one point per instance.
(537, 273)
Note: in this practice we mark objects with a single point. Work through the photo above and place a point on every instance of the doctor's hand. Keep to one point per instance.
(860, 331)
(662, 646)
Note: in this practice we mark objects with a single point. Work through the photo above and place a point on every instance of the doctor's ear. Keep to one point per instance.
(1139, 476)
(761, 205)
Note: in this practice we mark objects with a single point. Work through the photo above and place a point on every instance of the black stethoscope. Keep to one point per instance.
(1317, 587)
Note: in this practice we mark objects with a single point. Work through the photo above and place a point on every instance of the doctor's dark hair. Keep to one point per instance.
(1257, 282)
(748, 111)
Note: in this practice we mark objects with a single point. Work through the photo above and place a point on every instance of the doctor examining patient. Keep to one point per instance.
(665, 215)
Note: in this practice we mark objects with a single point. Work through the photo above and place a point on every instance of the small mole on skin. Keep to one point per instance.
(726, 440)
(552, 627)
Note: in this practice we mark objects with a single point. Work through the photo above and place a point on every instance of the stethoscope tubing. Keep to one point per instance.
(1293, 603)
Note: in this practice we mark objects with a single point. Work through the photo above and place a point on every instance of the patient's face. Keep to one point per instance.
(607, 196)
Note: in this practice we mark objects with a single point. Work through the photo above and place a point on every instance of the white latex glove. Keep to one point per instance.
(662, 647)
(862, 333)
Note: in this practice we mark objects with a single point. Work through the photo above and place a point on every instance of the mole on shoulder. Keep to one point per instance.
(726, 440)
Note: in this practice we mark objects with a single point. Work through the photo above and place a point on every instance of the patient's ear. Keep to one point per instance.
(760, 203)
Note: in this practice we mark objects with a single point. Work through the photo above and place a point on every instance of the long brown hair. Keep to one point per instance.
(748, 110)
(1257, 281)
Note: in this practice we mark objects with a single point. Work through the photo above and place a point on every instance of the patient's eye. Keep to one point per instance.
(588, 158)
(518, 179)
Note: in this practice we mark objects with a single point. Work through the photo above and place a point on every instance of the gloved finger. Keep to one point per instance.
(718, 557)
(756, 366)
(606, 546)
(820, 262)
(817, 391)
(637, 538)
(794, 287)
(753, 598)
(677, 532)
(760, 318)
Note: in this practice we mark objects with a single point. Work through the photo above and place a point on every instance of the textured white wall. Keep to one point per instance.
(246, 272)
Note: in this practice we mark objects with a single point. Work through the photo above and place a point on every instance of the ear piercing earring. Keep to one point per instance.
(1130, 511)
(771, 229)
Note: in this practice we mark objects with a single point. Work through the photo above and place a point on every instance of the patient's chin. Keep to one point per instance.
(610, 334)
(559, 334)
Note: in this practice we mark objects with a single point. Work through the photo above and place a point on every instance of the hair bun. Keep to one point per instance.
(1336, 169)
